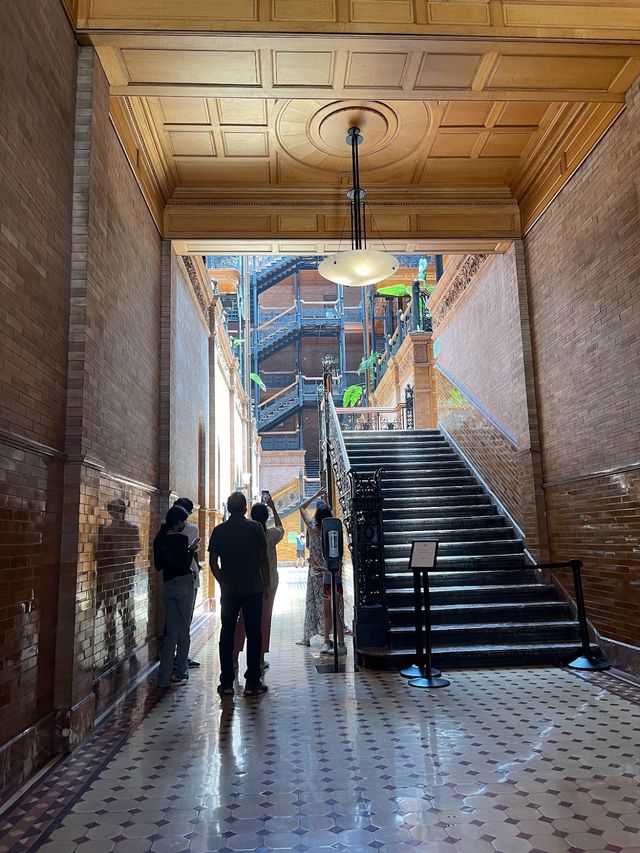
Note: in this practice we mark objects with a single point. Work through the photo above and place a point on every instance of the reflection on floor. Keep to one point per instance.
(512, 761)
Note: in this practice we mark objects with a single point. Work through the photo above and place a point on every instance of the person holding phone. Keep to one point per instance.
(274, 535)
(173, 556)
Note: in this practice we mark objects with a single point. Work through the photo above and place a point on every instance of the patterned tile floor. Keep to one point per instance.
(508, 761)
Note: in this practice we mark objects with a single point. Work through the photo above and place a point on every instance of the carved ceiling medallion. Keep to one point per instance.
(313, 133)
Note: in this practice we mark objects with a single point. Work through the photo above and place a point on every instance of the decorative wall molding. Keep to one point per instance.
(199, 283)
(21, 442)
(451, 289)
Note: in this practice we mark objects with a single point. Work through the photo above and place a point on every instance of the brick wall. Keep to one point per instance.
(37, 106)
(122, 360)
(480, 344)
(190, 403)
(506, 469)
(583, 266)
(486, 398)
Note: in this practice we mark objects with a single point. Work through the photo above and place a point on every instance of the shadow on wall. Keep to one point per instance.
(117, 548)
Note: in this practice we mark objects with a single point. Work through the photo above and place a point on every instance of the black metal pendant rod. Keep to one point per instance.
(354, 139)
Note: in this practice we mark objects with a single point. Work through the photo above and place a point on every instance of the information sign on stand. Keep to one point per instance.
(424, 554)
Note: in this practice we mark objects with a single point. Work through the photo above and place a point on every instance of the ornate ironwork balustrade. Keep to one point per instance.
(360, 497)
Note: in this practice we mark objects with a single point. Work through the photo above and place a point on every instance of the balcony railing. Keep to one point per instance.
(372, 417)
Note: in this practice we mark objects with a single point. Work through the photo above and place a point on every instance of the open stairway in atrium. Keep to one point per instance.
(502, 614)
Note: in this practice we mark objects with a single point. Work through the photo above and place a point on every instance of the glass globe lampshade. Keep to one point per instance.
(358, 267)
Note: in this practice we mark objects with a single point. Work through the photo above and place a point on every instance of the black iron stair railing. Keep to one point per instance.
(361, 501)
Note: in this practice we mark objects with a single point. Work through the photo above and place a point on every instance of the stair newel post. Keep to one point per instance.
(586, 660)
(327, 386)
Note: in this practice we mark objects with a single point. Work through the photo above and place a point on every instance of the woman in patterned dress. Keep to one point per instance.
(317, 611)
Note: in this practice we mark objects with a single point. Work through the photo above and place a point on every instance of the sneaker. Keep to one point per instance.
(326, 648)
(225, 690)
(255, 689)
(342, 649)
(191, 663)
(178, 680)
(306, 643)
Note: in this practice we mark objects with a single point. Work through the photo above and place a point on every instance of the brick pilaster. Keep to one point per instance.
(73, 698)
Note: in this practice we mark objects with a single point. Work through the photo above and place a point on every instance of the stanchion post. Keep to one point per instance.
(428, 679)
(586, 660)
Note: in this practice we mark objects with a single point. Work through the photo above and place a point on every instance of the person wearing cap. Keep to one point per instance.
(190, 530)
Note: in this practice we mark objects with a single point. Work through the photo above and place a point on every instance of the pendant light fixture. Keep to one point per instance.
(360, 266)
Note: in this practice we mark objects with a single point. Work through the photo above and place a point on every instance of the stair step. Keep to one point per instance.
(420, 492)
(454, 533)
(508, 577)
(438, 508)
(463, 562)
(429, 527)
(500, 611)
(403, 485)
(489, 593)
(470, 655)
(485, 633)
(487, 548)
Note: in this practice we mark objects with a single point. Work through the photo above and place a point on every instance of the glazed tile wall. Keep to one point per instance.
(583, 267)
(507, 470)
(125, 578)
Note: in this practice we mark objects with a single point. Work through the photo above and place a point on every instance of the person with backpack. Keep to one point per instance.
(173, 556)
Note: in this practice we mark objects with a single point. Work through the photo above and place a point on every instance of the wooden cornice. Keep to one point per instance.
(570, 19)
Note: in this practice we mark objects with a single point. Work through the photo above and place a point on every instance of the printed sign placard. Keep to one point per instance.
(423, 554)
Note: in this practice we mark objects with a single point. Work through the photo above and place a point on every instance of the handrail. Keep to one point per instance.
(335, 433)
(291, 486)
(279, 394)
(324, 304)
(277, 317)
(365, 410)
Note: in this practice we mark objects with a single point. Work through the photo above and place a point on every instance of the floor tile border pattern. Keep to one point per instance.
(42, 808)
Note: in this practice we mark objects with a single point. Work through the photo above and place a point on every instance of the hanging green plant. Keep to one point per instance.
(368, 363)
(258, 380)
(236, 342)
(395, 290)
(352, 396)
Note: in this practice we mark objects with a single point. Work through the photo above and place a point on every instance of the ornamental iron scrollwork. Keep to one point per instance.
(367, 538)
(409, 407)
(360, 497)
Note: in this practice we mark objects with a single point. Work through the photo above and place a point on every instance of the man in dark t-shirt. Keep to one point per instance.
(243, 575)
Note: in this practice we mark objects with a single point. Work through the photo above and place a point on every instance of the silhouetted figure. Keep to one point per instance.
(118, 547)
(243, 576)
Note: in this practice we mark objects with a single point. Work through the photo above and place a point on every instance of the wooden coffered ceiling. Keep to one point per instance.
(238, 137)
